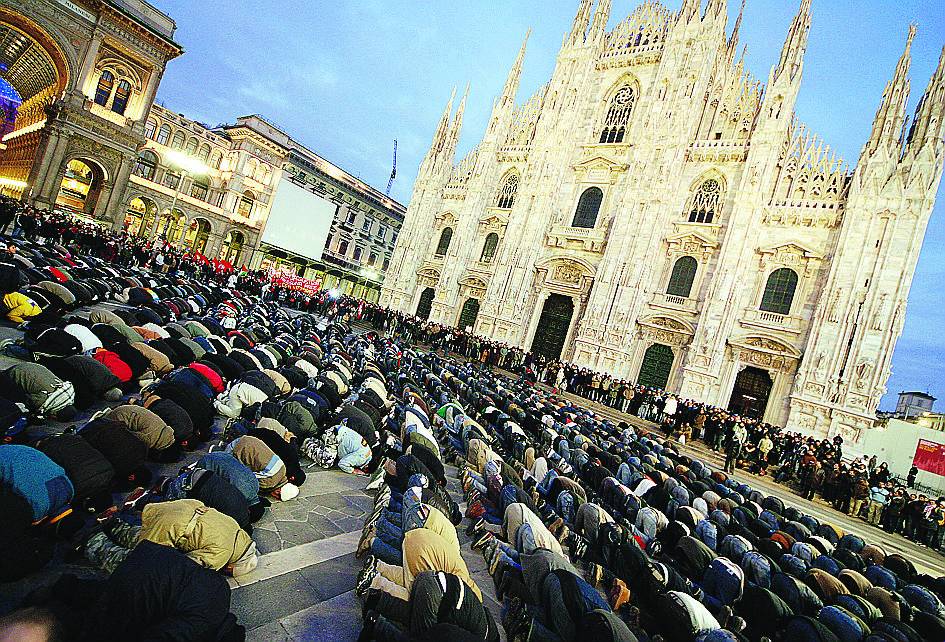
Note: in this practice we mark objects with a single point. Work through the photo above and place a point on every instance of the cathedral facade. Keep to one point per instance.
(656, 213)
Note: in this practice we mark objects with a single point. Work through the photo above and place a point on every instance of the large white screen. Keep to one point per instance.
(299, 221)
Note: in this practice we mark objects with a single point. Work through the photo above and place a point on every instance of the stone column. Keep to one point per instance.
(88, 65)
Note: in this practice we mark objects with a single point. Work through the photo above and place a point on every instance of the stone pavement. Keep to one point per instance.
(925, 559)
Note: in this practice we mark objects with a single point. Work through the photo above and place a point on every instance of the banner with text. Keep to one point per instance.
(930, 456)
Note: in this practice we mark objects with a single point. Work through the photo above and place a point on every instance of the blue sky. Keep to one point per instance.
(348, 77)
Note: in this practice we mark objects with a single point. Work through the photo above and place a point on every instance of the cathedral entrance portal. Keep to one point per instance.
(468, 315)
(656, 367)
(426, 304)
(751, 392)
(553, 326)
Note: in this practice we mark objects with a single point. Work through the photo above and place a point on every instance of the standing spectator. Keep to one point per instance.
(910, 478)
(879, 497)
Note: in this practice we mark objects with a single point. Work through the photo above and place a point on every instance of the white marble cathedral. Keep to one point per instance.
(657, 213)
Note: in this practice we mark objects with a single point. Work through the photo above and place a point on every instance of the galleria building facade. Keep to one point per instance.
(656, 213)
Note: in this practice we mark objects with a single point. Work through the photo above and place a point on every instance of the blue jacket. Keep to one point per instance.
(37, 478)
(234, 471)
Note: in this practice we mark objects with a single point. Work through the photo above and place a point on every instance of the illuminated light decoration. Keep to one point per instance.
(334, 293)
(24, 130)
(12, 182)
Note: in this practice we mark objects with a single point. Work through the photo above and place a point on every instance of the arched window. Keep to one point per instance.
(163, 135)
(103, 91)
(507, 194)
(588, 208)
(705, 203)
(444, 243)
(618, 116)
(178, 141)
(204, 153)
(217, 160)
(149, 128)
(199, 188)
(489, 247)
(343, 248)
(247, 200)
(684, 273)
(779, 291)
(192, 146)
(145, 165)
(171, 179)
(122, 94)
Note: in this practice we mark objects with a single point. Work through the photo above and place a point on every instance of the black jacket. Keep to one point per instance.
(158, 593)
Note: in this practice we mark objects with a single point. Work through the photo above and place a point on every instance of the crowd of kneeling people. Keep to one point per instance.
(591, 531)
(588, 529)
(183, 367)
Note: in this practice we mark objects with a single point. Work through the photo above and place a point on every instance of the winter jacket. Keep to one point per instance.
(88, 339)
(205, 535)
(234, 471)
(157, 360)
(258, 457)
(20, 307)
(114, 363)
(38, 387)
(38, 478)
(112, 319)
(158, 593)
(145, 425)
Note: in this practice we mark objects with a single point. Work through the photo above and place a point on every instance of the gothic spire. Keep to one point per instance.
(715, 8)
(440, 137)
(891, 114)
(581, 22)
(456, 128)
(929, 123)
(689, 10)
(515, 74)
(601, 17)
(733, 40)
(792, 55)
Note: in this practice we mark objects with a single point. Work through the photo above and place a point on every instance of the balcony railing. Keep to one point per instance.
(108, 114)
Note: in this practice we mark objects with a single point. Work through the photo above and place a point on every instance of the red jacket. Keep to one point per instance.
(215, 380)
(114, 363)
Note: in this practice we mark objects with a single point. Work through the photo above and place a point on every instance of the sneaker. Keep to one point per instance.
(364, 546)
(563, 534)
(480, 543)
(475, 510)
(366, 576)
(578, 546)
(107, 515)
(595, 572)
(135, 498)
(555, 526)
(619, 595)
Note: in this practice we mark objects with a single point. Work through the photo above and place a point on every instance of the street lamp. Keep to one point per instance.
(187, 165)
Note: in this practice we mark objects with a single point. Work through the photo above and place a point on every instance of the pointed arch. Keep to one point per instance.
(707, 197)
(509, 190)
(619, 107)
